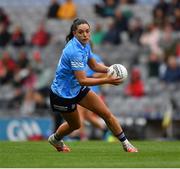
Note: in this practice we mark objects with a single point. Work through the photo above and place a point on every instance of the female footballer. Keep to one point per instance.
(70, 87)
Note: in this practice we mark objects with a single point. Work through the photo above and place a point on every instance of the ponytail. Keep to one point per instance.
(73, 28)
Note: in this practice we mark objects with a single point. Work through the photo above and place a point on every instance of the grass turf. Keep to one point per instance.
(90, 154)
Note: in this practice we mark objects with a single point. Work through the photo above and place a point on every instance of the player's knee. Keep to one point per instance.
(107, 116)
(75, 126)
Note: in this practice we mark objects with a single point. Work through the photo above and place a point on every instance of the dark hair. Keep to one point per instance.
(74, 26)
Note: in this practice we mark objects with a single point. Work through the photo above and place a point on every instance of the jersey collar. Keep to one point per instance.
(79, 45)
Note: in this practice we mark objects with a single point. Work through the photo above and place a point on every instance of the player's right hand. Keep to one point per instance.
(115, 81)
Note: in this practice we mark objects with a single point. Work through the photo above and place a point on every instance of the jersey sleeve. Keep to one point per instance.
(90, 53)
(77, 62)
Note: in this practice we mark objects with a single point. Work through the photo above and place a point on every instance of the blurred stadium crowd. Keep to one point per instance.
(143, 35)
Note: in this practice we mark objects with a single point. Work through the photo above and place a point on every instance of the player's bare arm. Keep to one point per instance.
(86, 81)
(101, 68)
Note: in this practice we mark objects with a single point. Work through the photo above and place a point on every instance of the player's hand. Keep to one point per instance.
(115, 81)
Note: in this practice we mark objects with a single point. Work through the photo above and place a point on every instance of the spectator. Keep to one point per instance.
(36, 97)
(31, 101)
(168, 34)
(4, 36)
(171, 71)
(53, 9)
(176, 20)
(27, 79)
(3, 73)
(109, 8)
(168, 39)
(125, 8)
(106, 8)
(135, 30)
(36, 62)
(18, 37)
(112, 35)
(178, 50)
(22, 60)
(135, 88)
(121, 22)
(153, 65)
(97, 35)
(43, 73)
(98, 8)
(159, 17)
(162, 5)
(41, 37)
(173, 4)
(4, 19)
(151, 38)
(9, 67)
(67, 11)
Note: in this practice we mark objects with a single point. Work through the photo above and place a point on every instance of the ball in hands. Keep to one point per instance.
(118, 71)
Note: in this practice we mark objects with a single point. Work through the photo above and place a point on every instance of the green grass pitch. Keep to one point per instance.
(90, 154)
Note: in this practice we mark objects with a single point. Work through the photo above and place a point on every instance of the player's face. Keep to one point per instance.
(83, 33)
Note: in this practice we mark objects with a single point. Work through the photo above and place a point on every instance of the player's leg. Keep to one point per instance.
(68, 110)
(57, 120)
(93, 102)
(93, 119)
(97, 122)
(89, 116)
(72, 122)
(82, 112)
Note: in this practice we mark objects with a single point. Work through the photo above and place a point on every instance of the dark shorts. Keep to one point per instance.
(67, 105)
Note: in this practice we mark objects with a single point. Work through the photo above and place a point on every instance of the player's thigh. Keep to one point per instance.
(95, 104)
(84, 113)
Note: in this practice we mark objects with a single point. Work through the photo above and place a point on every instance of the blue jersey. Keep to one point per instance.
(90, 72)
(74, 57)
